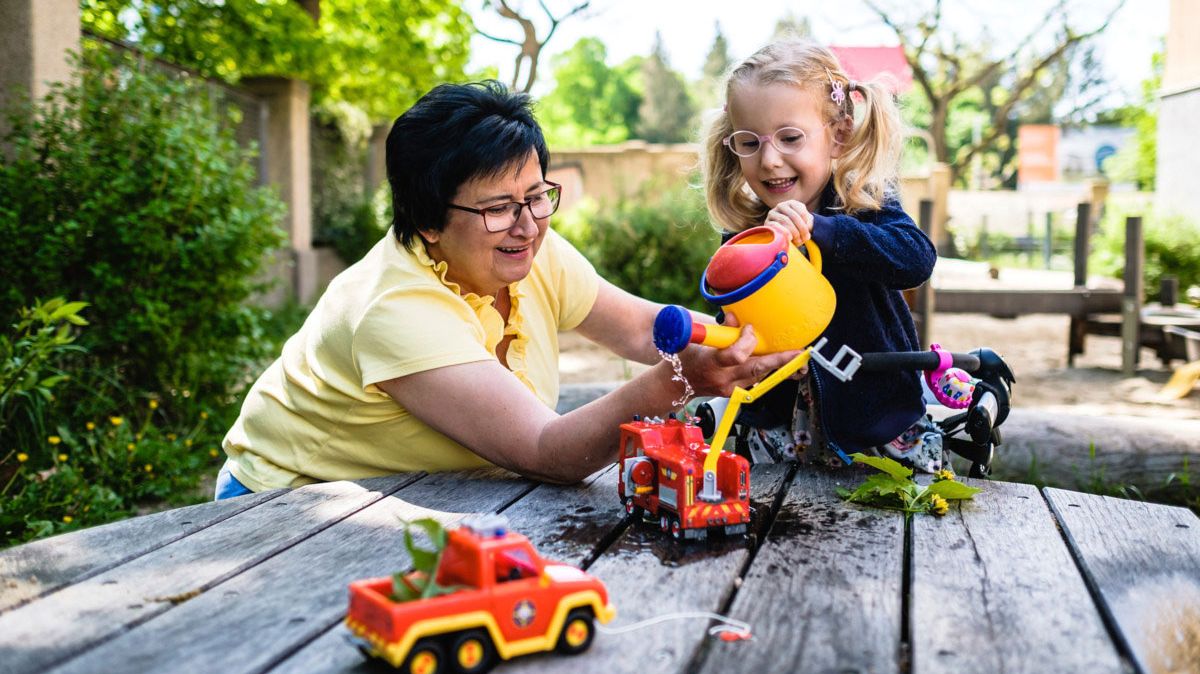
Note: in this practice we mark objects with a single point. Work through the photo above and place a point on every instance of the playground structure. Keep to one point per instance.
(1101, 311)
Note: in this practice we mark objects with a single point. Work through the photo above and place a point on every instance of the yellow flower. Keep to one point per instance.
(23, 457)
(938, 505)
(67, 519)
(91, 426)
(213, 453)
(137, 436)
(204, 415)
(54, 439)
(62, 457)
(116, 421)
(171, 437)
(131, 446)
(153, 404)
(943, 474)
(148, 467)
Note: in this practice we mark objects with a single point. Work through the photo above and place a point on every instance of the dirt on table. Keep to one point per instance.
(1035, 347)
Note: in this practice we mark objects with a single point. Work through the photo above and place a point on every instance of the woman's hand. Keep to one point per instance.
(715, 372)
(793, 218)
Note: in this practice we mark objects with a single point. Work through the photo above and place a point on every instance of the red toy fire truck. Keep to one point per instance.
(669, 472)
(511, 602)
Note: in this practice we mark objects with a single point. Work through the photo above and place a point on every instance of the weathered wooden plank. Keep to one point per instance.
(256, 619)
(36, 569)
(994, 589)
(588, 514)
(647, 576)
(824, 592)
(41, 634)
(1142, 562)
(1019, 302)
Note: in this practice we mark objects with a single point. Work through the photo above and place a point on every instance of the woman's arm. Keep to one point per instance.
(485, 408)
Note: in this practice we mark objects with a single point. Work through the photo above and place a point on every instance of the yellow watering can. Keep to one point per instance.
(763, 280)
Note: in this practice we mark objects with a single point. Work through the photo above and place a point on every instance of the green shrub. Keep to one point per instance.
(1171, 249)
(128, 191)
(655, 244)
(343, 216)
(30, 360)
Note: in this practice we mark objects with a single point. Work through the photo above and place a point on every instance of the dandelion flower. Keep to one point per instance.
(54, 439)
(938, 505)
(23, 457)
(62, 458)
(148, 467)
(204, 415)
(68, 519)
(943, 474)
(91, 426)
(213, 453)
(116, 421)
(131, 446)
(171, 437)
(153, 404)
(187, 442)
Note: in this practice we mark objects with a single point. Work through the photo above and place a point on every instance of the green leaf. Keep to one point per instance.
(888, 466)
(425, 559)
(951, 490)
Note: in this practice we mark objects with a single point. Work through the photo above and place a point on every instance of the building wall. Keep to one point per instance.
(1178, 112)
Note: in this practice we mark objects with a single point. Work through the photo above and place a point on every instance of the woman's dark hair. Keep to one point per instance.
(455, 133)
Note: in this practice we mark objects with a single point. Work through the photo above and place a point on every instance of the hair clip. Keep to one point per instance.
(837, 94)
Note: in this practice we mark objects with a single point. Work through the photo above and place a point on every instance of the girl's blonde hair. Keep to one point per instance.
(865, 172)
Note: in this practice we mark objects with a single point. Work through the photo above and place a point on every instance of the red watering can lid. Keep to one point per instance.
(743, 258)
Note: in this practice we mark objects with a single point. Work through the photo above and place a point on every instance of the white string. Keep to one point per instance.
(728, 624)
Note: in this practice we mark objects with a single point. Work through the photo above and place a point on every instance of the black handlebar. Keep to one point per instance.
(915, 360)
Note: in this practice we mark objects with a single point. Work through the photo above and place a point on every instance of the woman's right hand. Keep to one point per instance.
(715, 372)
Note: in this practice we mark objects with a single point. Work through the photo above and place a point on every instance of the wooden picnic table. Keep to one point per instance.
(1018, 580)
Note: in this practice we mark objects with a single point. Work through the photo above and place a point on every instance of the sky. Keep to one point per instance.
(627, 27)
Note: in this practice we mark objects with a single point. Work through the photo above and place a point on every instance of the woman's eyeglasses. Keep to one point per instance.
(788, 140)
(501, 217)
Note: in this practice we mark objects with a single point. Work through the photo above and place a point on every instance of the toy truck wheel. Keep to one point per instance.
(676, 529)
(577, 632)
(472, 652)
(633, 510)
(426, 657)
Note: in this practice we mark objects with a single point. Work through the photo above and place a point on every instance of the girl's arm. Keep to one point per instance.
(888, 247)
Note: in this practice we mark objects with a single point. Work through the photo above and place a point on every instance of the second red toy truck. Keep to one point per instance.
(663, 465)
(511, 602)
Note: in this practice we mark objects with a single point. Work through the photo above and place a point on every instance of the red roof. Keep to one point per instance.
(864, 63)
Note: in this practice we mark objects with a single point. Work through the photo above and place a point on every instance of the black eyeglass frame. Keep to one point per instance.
(482, 212)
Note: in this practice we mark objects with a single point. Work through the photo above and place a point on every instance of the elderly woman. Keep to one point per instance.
(439, 349)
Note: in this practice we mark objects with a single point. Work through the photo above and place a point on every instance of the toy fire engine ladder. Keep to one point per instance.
(741, 396)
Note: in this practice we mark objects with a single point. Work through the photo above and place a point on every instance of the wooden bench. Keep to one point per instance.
(1018, 580)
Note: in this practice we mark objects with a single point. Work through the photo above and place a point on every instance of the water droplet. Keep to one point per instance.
(677, 366)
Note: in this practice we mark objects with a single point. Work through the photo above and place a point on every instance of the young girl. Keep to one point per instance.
(790, 151)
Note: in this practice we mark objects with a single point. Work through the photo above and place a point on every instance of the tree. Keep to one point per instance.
(946, 68)
(530, 44)
(716, 65)
(591, 103)
(1137, 162)
(379, 55)
(666, 113)
(791, 27)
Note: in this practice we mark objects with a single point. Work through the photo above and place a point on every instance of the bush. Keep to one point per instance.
(655, 244)
(344, 218)
(127, 191)
(30, 361)
(1171, 250)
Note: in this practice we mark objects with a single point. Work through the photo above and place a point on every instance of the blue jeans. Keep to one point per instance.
(228, 485)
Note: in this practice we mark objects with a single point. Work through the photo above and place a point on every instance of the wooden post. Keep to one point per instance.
(1168, 291)
(1131, 302)
(1048, 242)
(1077, 332)
(925, 292)
(983, 237)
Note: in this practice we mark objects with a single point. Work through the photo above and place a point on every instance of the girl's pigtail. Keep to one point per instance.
(867, 171)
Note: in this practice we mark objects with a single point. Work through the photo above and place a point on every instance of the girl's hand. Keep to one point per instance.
(793, 218)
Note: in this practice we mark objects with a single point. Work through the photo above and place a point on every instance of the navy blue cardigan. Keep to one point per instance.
(868, 258)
